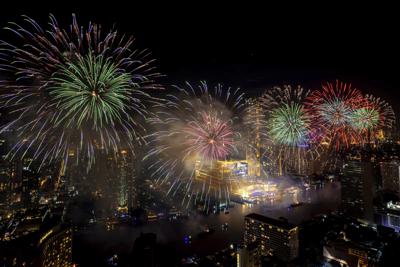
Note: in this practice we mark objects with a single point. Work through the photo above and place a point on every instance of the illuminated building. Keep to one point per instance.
(29, 185)
(75, 173)
(17, 185)
(390, 172)
(351, 254)
(4, 183)
(127, 195)
(254, 122)
(122, 173)
(248, 256)
(56, 247)
(221, 172)
(357, 189)
(275, 237)
(258, 191)
(389, 216)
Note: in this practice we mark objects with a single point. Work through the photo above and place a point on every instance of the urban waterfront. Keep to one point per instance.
(149, 136)
(121, 238)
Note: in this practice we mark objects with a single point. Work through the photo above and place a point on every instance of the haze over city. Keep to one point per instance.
(202, 135)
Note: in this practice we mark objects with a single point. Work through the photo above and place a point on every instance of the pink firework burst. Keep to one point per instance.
(209, 137)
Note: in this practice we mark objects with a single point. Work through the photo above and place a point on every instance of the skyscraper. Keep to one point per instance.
(248, 256)
(254, 121)
(122, 166)
(389, 215)
(127, 194)
(357, 188)
(5, 178)
(56, 247)
(390, 172)
(351, 254)
(275, 237)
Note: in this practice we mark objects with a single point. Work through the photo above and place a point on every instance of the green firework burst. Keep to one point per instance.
(91, 89)
(365, 118)
(289, 125)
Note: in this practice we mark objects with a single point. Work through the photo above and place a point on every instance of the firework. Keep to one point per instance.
(375, 115)
(331, 109)
(365, 118)
(194, 131)
(288, 126)
(209, 137)
(288, 123)
(73, 89)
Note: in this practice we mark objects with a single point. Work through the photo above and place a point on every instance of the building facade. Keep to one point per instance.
(248, 256)
(389, 216)
(275, 237)
(56, 247)
(350, 254)
(390, 173)
(357, 189)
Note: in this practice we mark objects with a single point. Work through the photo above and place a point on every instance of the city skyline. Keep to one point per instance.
(135, 135)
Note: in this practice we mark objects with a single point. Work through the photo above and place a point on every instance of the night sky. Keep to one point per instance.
(250, 46)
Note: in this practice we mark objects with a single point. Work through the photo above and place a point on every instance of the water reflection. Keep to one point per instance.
(174, 232)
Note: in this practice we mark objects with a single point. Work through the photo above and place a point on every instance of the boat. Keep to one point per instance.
(206, 232)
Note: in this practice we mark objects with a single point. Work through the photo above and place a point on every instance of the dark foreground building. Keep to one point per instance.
(56, 247)
(275, 237)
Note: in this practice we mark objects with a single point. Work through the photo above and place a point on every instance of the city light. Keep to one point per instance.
(242, 142)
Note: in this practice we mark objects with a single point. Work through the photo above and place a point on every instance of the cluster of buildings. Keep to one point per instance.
(370, 186)
(328, 239)
(34, 210)
(363, 232)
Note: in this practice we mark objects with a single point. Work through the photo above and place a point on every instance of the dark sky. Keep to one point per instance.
(247, 45)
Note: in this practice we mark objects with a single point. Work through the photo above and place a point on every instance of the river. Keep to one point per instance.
(122, 237)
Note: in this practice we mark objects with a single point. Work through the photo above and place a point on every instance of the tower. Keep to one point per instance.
(122, 167)
(127, 193)
(357, 188)
(253, 121)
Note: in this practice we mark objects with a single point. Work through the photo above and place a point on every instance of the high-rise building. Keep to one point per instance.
(122, 165)
(220, 172)
(5, 178)
(357, 189)
(275, 237)
(248, 256)
(351, 254)
(127, 195)
(390, 172)
(389, 215)
(254, 119)
(29, 185)
(56, 247)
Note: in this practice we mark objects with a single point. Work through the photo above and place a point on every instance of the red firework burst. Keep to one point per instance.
(331, 109)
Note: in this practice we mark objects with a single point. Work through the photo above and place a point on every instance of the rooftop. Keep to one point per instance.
(279, 223)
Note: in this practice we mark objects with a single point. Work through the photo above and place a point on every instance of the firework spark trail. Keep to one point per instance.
(376, 114)
(287, 126)
(196, 127)
(74, 89)
(331, 108)
(287, 121)
(209, 137)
